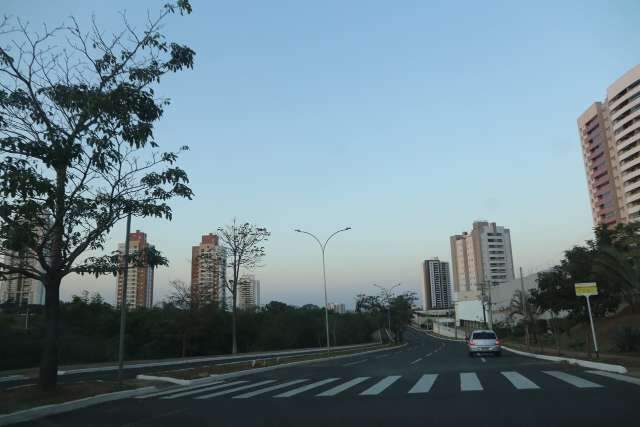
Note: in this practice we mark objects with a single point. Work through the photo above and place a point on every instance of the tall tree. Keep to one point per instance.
(243, 243)
(77, 150)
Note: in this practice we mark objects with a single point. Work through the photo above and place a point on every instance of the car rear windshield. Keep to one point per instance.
(484, 336)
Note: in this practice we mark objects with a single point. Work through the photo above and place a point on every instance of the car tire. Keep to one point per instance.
(470, 354)
(498, 353)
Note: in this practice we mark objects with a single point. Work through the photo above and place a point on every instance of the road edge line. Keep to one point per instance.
(433, 335)
(59, 408)
(579, 362)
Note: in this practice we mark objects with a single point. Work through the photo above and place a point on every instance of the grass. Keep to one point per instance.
(30, 396)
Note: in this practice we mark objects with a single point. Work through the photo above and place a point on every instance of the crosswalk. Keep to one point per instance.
(466, 382)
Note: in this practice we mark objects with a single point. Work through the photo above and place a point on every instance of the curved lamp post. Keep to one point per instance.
(387, 294)
(323, 246)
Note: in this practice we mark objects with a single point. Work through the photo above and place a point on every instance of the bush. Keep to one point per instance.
(627, 338)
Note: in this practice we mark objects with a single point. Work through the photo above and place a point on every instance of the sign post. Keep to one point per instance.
(586, 290)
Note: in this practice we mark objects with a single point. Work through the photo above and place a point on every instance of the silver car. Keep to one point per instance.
(484, 341)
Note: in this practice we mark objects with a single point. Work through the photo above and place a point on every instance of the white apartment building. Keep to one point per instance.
(18, 289)
(436, 285)
(248, 292)
(610, 140)
(337, 308)
(481, 257)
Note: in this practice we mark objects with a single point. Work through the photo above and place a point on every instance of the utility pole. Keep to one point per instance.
(123, 303)
(523, 297)
(490, 307)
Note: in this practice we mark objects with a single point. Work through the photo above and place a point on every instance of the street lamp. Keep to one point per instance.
(387, 294)
(324, 276)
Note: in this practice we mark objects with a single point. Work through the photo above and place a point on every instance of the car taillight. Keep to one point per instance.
(497, 341)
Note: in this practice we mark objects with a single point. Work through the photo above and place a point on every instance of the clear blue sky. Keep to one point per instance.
(405, 120)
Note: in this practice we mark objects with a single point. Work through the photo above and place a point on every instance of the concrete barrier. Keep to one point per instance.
(584, 363)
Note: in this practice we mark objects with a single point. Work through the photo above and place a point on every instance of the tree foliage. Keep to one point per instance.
(77, 148)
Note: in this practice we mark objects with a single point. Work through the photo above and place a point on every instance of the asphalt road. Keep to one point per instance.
(428, 382)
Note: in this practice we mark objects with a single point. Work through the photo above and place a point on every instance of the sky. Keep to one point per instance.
(405, 120)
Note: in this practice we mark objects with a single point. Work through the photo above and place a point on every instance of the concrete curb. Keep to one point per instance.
(58, 408)
(619, 369)
(302, 362)
(284, 365)
(164, 379)
(177, 362)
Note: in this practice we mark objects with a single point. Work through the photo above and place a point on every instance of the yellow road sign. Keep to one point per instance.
(586, 289)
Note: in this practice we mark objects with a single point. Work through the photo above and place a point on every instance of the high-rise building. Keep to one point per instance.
(436, 286)
(208, 271)
(337, 308)
(610, 139)
(481, 257)
(18, 289)
(248, 292)
(139, 278)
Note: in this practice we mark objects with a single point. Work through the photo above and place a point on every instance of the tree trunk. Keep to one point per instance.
(49, 362)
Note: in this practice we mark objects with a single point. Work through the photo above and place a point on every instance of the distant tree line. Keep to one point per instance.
(88, 331)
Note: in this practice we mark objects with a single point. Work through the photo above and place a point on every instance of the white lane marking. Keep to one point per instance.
(233, 390)
(469, 382)
(483, 360)
(268, 389)
(428, 354)
(424, 384)
(380, 386)
(519, 381)
(416, 361)
(306, 387)
(342, 387)
(201, 390)
(572, 379)
(618, 377)
(178, 390)
(384, 355)
(355, 363)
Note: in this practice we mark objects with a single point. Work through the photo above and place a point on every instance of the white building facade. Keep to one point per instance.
(248, 292)
(481, 257)
(436, 285)
(18, 289)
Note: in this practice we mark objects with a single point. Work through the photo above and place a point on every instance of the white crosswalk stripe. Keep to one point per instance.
(177, 390)
(572, 379)
(342, 387)
(380, 386)
(306, 387)
(233, 390)
(268, 389)
(201, 390)
(469, 382)
(618, 377)
(424, 384)
(519, 381)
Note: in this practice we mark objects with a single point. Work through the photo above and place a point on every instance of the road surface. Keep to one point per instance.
(430, 382)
